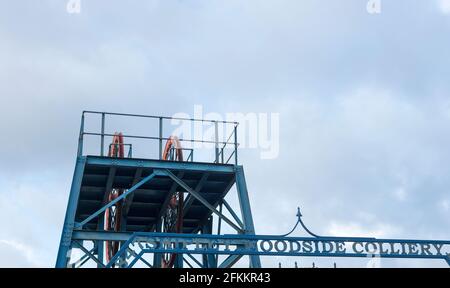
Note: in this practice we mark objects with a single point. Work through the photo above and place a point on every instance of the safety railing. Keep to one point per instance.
(220, 147)
(173, 151)
(130, 148)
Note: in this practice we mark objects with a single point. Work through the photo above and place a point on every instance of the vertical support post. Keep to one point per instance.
(101, 244)
(247, 218)
(102, 137)
(123, 257)
(219, 222)
(216, 140)
(179, 258)
(219, 229)
(160, 137)
(65, 244)
(80, 137)
(157, 256)
(209, 260)
(235, 145)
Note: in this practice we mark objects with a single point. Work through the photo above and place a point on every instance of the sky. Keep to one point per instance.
(363, 101)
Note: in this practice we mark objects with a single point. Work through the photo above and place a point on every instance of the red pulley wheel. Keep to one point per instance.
(114, 213)
(172, 221)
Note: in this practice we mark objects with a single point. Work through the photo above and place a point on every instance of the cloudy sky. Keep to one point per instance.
(363, 101)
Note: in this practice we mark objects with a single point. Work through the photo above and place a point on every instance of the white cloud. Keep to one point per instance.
(17, 254)
(445, 205)
(444, 6)
(400, 193)
(34, 205)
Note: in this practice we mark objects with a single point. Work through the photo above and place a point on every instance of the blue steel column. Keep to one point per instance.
(209, 260)
(178, 260)
(101, 219)
(160, 138)
(66, 235)
(235, 145)
(157, 256)
(102, 137)
(99, 244)
(123, 228)
(247, 218)
(80, 137)
(216, 140)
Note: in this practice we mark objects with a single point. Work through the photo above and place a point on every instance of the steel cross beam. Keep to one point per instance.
(195, 260)
(191, 199)
(230, 261)
(136, 258)
(80, 246)
(202, 200)
(83, 259)
(187, 262)
(168, 197)
(158, 164)
(101, 235)
(129, 199)
(224, 193)
(128, 192)
(225, 203)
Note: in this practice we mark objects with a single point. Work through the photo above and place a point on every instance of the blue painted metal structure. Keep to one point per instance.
(150, 183)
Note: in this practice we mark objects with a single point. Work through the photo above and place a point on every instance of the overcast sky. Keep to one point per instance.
(363, 100)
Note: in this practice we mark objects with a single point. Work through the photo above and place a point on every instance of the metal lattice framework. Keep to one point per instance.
(126, 211)
(115, 195)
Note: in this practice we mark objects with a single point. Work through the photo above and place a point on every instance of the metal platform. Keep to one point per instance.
(144, 207)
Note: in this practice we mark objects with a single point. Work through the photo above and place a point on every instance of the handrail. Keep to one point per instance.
(221, 153)
(218, 151)
(153, 138)
(158, 117)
